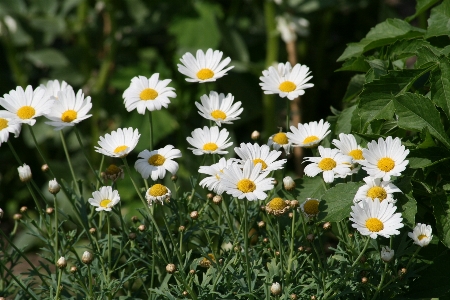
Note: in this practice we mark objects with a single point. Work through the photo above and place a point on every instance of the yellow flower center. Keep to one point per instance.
(218, 114)
(259, 160)
(210, 147)
(422, 236)
(374, 225)
(310, 139)
(277, 204)
(377, 192)
(246, 185)
(205, 74)
(26, 112)
(148, 94)
(3, 123)
(356, 154)
(68, 116)
(120, 148)
(105, 202)
(157, 190)
(287, 86)
(156, 160)
(327, 164)
(280, 138)
(311, 207)
(386, 164)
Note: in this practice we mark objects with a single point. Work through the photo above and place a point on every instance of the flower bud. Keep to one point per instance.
(87, 257)
(265, 240)
(23, 209)
(387, 254)
(301, 249)
(294, 297)
(44, 168)
(209, 196)
(310, 237)
(194, 215)
(261, 224)
(132, 236)
(181, 228)
(326, 225)
(49, 210)
(290, 215)
(174, 178)
(255, 135)
(217, 199)
(134, 219)
(73, 269)
(17, 217)
(53, 187)
(171, 268)
(61, 263)
(313, 297)
(275, 289)
(192, 272)
(364, 280)
(141, 227)
(294, 204)
(1, 213)
(185, 293)
(275, 182)
(288, 183)
(24, 173)
(92, 230)
(113, 173)
(277, 253)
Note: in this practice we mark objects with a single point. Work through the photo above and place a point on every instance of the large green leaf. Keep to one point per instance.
(354, 87)
(357, 64)
(421, 158)
(338, 201)
(343, 124)
(310, 187)
(439, 21)
(421, 7)
(441, 209)
(440, 85)
(383, 34)
(47, 58)
(406, 204)
(416, 112)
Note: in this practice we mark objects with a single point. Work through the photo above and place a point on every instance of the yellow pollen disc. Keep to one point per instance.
(422, 236)
(218, 114)
(205, 74)
(69, 115)
(120, 149)
(311, 207)
(105, 202)
(327, 164)
(280, 138)
(210, 147)
(277, 204)
(26, 112)
(156, 160)
(287, 86)
(148, 94)
(377, 192)
(310, 139)
(157, 190)
(356, 154)
(259, 160)
(3, 123)
(246, 185)
(386, 164)
(374, 225)
(112, 170)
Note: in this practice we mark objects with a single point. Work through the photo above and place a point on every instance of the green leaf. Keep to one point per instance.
(310, 187)
(337, 201)
(382, 34)
(354, 87)
(357, 64)
(421, 7)
(406, 48)
(47, 58)
(407, 205)
(422, 158)
(440, 85)
(343, 124)
(416, 112)
(441, 209)
(439, 21)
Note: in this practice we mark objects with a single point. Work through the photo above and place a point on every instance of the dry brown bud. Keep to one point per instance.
(210, 196)
(261, 224)
(171, 268)
(326, 225)
(363, 259)
(194, 215)
(73, 269)
(217, 199)
(132, 236)
(92, 230)
(142, 227)
(310, 237)
(17, 217)
(134, 219)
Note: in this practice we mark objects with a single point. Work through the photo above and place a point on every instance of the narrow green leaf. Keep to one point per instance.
(382, 34)
(47, 58)
(337, 201)
(416, 112)
(439, 21)
(441, 209)
(440, 85)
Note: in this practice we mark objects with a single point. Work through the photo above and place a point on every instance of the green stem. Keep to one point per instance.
(77, 133)
(150, 123)
(291, 247)
(381, 281)
(56, 228)
(69, 162)
(40, 152)
(109, 246)
(280, 246)
(245, 236)
(91, 297)
(196, 182)
(58, 286)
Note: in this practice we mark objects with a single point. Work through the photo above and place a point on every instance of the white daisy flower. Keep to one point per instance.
(119, 143)
(376, 189)
(157, 192)
(286, 81)
(385, 158)
(375, 218)
(8, 124)
(215, 171)
(219, 108)
(260, 154)
(27, 104)
(155, 163)
(148, 94)
(69, 109)
(279, 140)
(421, 234)
(248, 182)
(387, 254)
(105, 198)
(53, 87)
(209, 141)
(331, 162)
(310, 207)
(347, 145)
(308, 135)
(205, 67)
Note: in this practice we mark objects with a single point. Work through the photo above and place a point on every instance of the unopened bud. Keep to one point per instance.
(217, 199)
(132, 236)
(171, 268)
(192, 272)
(261, 224)
(44, 168)
(262, 208)
(402, 272)
(174, 178)
(387, 254)
(275, 289)
(288, 183)
(134, 219)
(275, 182)
(255, 135)
(87, 257)
(49, 210)
(24, 173)
(23, 209)
(265, 240)
(141, 227)
(308, 249)
(290, 215)
(294, 204)
(326, 225)
(185, 293)
(209, 196)
(61, 263)
(310, 237)
(301, 249)
(92, 230)
(73, 269)
(194, 215)
(364, 280)
(17, 217)
(53, 187)
(313, 297)
(294, 297)
(181, 228)
(277, 253)
(1, 213)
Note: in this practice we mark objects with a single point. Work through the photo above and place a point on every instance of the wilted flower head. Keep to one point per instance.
(24, 173)
(113, 172)
(277, 206)
(206, 262)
